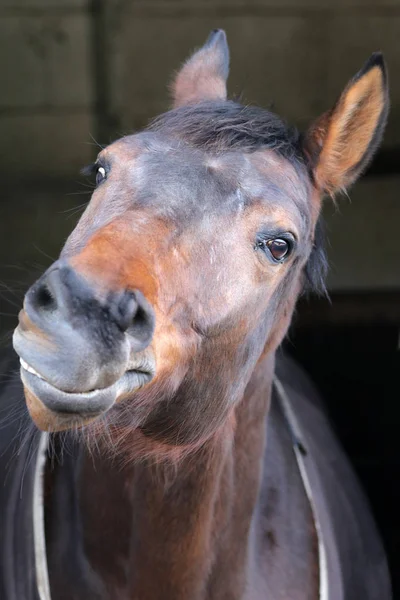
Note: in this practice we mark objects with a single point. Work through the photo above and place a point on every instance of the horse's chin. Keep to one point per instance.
(48, 420)
(53, 409)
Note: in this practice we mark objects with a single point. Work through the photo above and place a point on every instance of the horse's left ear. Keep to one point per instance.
(204, 75)
(341, 143)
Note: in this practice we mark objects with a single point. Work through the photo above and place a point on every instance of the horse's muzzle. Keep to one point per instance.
(83, 346)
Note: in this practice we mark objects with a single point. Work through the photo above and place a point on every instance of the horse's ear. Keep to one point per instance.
(341, 143)
(204, 75)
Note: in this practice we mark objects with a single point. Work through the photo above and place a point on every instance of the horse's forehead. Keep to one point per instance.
(169, 158)
(176, 177)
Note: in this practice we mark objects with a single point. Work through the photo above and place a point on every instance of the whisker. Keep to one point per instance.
(73, 214)
(92, 186)
(44, 253)
(74, 208)
(81, 193)
(32, 434)
(96, 143)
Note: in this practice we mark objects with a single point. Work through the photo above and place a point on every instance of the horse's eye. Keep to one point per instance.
(278, 248)
(100, 175)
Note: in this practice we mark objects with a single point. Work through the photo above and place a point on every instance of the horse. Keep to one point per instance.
(177, 454)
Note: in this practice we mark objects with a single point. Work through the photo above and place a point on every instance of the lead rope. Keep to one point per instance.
(39, 537)
(42, 573)
(299, 452)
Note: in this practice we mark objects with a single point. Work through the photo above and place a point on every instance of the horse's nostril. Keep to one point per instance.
(124, 309)
(64, 298)
(42, 298)
(131, 312)
(141, 328)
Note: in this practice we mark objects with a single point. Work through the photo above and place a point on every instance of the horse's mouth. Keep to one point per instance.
(76, 408)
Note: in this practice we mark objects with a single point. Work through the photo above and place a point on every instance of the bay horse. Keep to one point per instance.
(211, 470)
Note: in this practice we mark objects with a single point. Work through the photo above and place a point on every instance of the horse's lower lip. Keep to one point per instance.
(89, 403)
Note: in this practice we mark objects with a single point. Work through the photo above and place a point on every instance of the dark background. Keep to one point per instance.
(75, 72)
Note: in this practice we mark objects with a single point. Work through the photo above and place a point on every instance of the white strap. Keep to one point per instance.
(39, 538)
(299, 453)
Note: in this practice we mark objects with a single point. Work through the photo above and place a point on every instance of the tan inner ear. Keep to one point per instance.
(195, 84)
(350, 131)
(203, 76)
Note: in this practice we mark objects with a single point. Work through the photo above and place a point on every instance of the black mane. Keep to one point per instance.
(316, 269)
(221, 126)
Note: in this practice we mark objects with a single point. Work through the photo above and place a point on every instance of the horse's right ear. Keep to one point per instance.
(341, 143)
(204, 75)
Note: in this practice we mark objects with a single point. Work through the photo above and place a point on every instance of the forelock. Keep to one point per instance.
(221, 126)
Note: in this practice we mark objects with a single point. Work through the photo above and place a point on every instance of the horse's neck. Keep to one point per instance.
(151, 533)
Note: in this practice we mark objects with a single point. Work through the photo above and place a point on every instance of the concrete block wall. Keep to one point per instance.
(296, 55)
(362, 234)
(46, 94)
(70, 69)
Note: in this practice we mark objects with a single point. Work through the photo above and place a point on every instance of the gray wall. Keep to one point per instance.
(72, 71)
